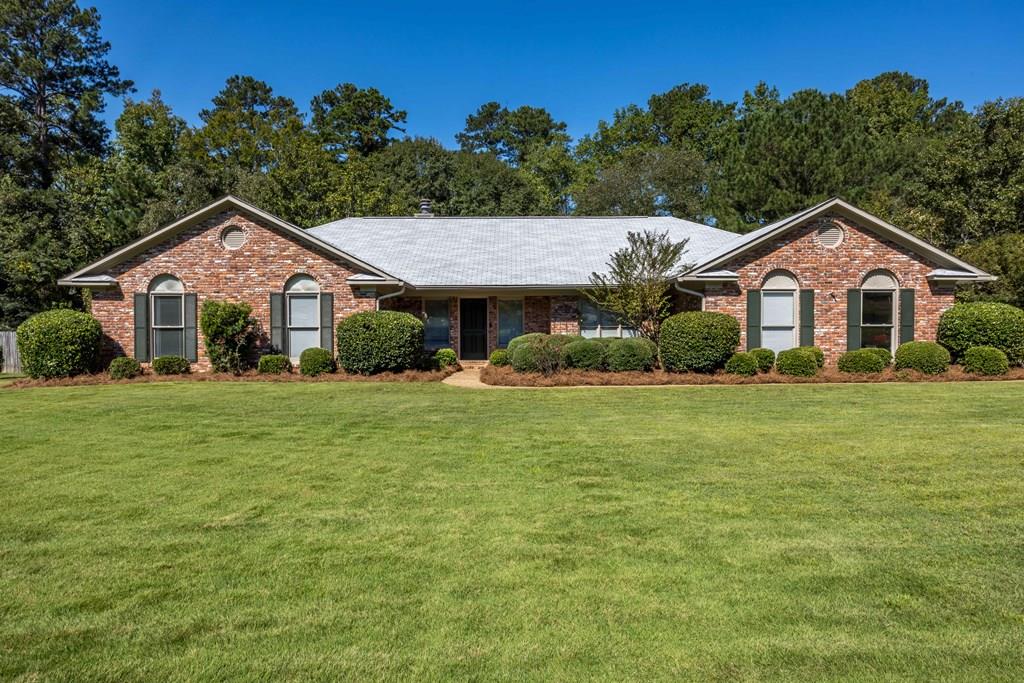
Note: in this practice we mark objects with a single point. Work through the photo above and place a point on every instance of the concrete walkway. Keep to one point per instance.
(469, 378)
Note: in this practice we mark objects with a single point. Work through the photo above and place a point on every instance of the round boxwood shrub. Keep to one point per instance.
(698, 341)
(625, 355)
(986, 360)
(522, 339)
(585, 354)
(819, 355)
(884, 354)
(798, 362)
(983, 324)
(171, 365)
(124, 367)
(274, 364)
(861, 360)
(379, 341)
(742, 363)
(445, 358)
(500, 358)
(923, 356)
(542, 353)
(316, 361)
(59, 343)
(765, 358)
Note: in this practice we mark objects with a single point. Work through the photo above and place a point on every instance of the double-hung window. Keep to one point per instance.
(595, 322)
(778, 312)
(510, 320)
(436, 327)
(167, 303)
(878, 310)
(302, 295)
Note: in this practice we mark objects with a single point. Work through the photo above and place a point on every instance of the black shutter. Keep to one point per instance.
(806, 317)
(852, 319)
(327, 321)
(278, 339)
(753, 318)
(191, 335)
(906, 315)
(142, 328)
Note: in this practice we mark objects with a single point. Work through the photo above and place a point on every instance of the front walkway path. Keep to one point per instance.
(469, 378)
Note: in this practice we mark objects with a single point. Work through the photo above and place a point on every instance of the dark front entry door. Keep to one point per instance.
(473, 323)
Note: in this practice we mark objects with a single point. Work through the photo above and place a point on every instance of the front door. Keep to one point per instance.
(473, 326)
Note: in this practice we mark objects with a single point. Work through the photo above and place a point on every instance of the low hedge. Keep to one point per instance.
(985, 360)
(171, 365)
(819, 355)
(861, 360)
(743, 363)
(799, 362)
(522, 339)
(585, 354)
(59, 343)
(698, 341)
(274, 364)
(124, 367)
(445, 358)
(983, 324)
(765, 358)
(884, 354)
(924, 356)
(379, 341)
(316, 361)
(625, 355)
(500, 358)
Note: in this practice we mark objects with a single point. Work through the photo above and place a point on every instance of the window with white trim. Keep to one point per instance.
(302, 304)
(510, 320)
(878, 310)
(167, 316)
(595, 322)
(778, 311)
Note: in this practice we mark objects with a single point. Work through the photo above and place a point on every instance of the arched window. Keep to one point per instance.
(878, 310)
(302, 294)
(167, 307)
(778, 311)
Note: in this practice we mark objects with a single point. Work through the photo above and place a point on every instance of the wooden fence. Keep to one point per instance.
(8, 342)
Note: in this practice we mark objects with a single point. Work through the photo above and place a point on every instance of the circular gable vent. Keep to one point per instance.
(232, 238)
(830, 236)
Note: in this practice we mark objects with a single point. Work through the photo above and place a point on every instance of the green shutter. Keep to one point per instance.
(906, 315)
(806, 317)
(191, 335)
(327, 321)
(142, 328)
(753, 318)
(852, 319)
(277, 336)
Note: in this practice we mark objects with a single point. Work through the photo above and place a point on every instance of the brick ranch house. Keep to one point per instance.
(832, 275)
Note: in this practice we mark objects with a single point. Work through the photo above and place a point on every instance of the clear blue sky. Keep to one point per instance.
(440, 61)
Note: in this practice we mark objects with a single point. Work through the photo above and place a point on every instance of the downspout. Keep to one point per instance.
(392, 295)
(691, 292)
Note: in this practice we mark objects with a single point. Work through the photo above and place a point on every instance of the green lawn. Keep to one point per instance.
(260, 531)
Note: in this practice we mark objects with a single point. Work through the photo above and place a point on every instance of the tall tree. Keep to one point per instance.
(645, 182)
(510, 134)
(350, 120)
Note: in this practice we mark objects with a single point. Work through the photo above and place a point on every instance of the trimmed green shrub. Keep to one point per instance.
(884, 354)
(799, 362)
(445, 358)
(742, 363)
(500, 358)
(59, 343)
(315, 361)
(923, 356)
(229, 331)
(631, 354)
(274, 364)
(765, 358)
(542, 353)
(379, 341)
(986, 360)
(983, 324)
(124, 367)
(585, 354)
(819, 355)
(522, 339)
(171, 365)
(698, 341)
(861, 360)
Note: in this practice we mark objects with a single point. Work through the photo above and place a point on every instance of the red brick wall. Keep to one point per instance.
(831, 272)
(565, 315)
(537, 314)
(196, 257)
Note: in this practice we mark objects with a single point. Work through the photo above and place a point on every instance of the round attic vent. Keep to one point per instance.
(232, 238)
(830, 236)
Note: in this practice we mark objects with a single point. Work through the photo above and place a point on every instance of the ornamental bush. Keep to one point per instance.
(541, 352)
(923, 356)
(522, 339)
(445, 358)
(274, 364)
(983, 324)
(229, 331)
(500, 358)
(884, 354)
(315, 361)
(765, 358)
(986, 360)
(799, 362)
(379, 341)
(861, 360)
(631, 354)
(171, 365)
(819, 355)
(585, 354)
(742, 363)
(698, 341)
(124, 367)
(59, 343)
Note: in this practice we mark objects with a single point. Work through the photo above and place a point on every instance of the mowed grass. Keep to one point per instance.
(255, 531)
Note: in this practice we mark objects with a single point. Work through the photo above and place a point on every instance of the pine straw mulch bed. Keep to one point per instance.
(506, 376)
(252, 376)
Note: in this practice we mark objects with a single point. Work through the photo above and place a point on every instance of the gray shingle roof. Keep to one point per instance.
(504, 252)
